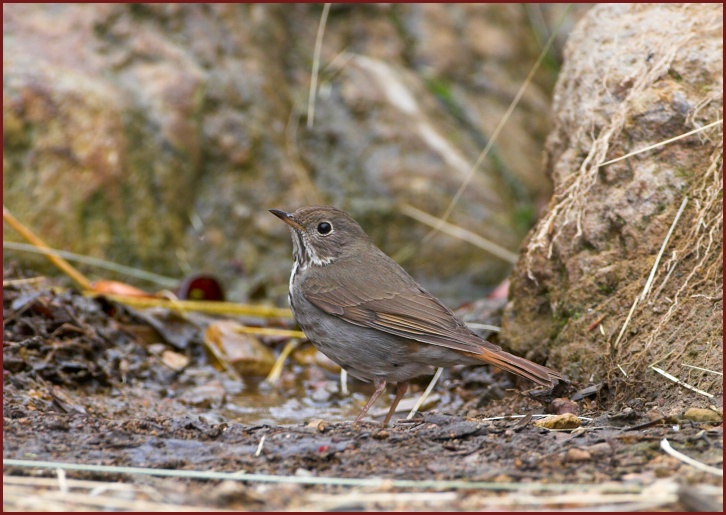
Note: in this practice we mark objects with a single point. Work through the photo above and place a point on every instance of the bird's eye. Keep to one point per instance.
(324, 228)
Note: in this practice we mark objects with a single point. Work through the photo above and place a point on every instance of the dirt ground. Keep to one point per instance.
(81, 386)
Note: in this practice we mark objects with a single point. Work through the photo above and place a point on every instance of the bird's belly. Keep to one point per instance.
(364, 352)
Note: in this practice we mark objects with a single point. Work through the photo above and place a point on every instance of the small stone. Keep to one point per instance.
(626, 414)
(561, 406)
(317, 424)
(381, 435)
(210, 395)
(703, 415)
(174, 360)
(654, 414)
(576, 454)
(600, 450)
(662, 472)
(564, 421)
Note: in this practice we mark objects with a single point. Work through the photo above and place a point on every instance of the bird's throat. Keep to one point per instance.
(304, 252)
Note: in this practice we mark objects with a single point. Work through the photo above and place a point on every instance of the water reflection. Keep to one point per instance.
(283, 408)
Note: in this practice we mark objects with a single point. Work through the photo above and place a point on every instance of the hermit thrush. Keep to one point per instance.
(363, 311)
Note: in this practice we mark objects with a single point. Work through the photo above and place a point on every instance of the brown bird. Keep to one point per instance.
(363, 311)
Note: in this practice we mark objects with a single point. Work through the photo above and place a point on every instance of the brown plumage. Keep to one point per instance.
(364, 311)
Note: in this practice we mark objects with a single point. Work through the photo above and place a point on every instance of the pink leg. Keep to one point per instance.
(380, 386)
(400, 391)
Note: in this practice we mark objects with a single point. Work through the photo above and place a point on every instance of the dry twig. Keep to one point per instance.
(666, 446)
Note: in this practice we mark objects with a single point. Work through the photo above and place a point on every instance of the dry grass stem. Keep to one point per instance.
(344, 382)
(259, 447)
(661, 493)
(426, 393)
(678, 381)
(33, 500)
(671, 266)
(662, 143)
(276, 370)
(42, 494)
(538, 415)
(353, 500)
(460, 233)
(50, 482)
(58, 261)
(316, 64)
(339, 62)
(502, 122)
(269, 331)
(30, 281)
(666, 446)
(648, 496)
(62, 481)
(331, 481)
(704, 369)
(648, 283)
(701, 238)
(625, 325)
(484, 327)
(169, 282)
(218, 308)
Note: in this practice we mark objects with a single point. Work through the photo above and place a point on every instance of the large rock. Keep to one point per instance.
(634, 76)
(157, 135)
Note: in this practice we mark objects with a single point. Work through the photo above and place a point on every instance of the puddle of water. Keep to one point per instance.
(285, 408)
(286, 412)
(291, 408)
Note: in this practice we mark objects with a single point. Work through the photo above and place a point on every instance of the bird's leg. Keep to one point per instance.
(380, 385)
(400, 391)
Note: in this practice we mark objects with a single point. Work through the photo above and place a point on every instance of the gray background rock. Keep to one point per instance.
(158, 135)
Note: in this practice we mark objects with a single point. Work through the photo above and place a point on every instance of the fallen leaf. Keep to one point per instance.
(244, 352)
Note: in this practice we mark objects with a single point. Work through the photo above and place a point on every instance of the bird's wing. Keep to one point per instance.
(392, 302)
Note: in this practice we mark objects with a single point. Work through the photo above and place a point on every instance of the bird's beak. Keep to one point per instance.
(287, 218)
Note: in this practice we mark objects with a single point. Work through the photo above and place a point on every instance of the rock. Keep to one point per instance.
(576, 455)
(318, 425)
(634, 75)
(655, 414)
(600, 450)
(564, 421)
(561, 406)
(381, 435)
(206, 396)
(703, 415)
(174, 360)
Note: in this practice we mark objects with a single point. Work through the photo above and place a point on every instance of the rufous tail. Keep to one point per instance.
(522, 367)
